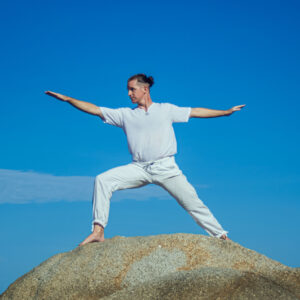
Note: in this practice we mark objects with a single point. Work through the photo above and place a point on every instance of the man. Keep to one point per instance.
(152, 143)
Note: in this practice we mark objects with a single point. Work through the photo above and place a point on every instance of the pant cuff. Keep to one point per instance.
(96, 222)
(220, 234)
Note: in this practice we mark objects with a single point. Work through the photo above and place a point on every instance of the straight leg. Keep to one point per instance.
(186, 196)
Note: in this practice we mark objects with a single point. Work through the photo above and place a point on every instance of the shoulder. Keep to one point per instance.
(118, 109)
(126, 110)
(167, 106)
(164, 105)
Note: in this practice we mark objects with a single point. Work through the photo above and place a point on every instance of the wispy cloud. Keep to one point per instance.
(28, 187)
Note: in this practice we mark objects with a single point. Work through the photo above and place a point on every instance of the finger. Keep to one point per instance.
(238, 107)
(53, 94)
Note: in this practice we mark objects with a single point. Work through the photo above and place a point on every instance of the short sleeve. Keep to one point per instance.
(112, 116)
(179, 114)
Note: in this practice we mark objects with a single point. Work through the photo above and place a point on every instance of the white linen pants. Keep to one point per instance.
(163, 172)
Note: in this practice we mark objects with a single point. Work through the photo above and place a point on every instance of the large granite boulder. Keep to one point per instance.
(177, 266)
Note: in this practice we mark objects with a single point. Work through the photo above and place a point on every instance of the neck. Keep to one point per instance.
(145, 102)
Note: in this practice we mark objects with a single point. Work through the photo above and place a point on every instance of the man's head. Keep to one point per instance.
(139, 87)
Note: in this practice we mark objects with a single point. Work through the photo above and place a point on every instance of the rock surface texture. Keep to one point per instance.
(177, 266)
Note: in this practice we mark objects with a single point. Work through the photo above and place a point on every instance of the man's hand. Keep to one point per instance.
(57, 96)
(235, 108)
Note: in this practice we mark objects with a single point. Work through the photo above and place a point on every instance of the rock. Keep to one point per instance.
(177, 266)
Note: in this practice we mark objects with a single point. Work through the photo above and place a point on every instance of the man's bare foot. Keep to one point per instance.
(96, 236)
(225, 237)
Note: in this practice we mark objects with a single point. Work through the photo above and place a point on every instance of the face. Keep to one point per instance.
(136, 91)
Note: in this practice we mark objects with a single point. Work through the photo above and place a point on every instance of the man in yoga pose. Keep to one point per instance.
(152, 144)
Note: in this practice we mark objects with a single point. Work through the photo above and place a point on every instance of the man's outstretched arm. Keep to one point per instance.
(199, 112)
(87, 107)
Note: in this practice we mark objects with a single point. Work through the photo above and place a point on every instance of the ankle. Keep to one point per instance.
(223, 237)
(98, 228)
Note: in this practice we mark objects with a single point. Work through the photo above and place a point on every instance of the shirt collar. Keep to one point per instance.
(149, 108)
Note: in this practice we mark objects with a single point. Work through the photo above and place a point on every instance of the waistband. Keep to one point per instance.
(150, 162)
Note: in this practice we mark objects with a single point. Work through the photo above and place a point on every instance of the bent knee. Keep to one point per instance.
(107, 182)
(102, 178)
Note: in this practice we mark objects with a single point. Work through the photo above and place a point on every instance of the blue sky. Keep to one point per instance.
(213, 54)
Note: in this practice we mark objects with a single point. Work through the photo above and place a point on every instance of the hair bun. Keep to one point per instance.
(150, 80)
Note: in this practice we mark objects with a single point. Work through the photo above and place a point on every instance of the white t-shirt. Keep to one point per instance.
(150, 135)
